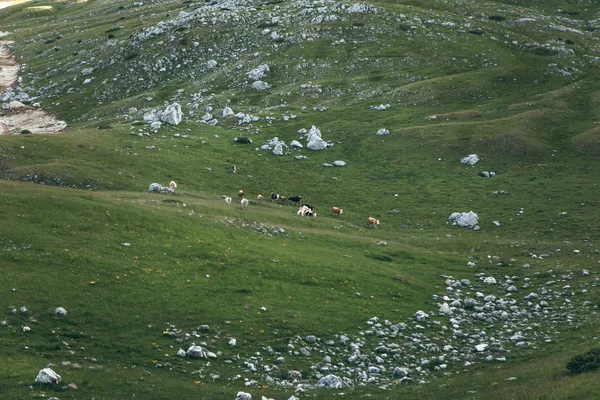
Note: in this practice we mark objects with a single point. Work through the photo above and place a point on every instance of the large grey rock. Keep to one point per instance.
(172, 115)
(61, 311)
(421, 315)
(227, 112)
(278, 149)
(471, 159)
(260, 85)
(155, 188)
(339, 163)
(47, 375)
(243, 396)
(400, 372)
(199, 352)
(331, 381)
(314, 139)
(258, 72)
(155, 125)
(445, 309)
(468, 220)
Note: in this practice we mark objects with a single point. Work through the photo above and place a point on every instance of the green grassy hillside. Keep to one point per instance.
(144, 275)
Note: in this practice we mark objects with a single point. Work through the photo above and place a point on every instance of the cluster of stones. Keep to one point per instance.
(259, 227)
(485, 321)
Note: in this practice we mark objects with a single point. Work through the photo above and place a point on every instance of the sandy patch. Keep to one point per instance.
(9, 67)
(17, 117)
(8, 3)
(24, 119)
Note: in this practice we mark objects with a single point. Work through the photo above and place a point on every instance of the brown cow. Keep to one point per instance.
(241, 194)
(336, 210)
(373, 222)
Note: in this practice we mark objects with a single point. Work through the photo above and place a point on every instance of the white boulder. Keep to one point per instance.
(61, 311)
(471, 159)
(278, 149)
(172, 115)
(47, 375)
(258, 72)
(227, 112)
(468, 220)
(243, 396)
(314, 139)
(445, 309)
(260, 85)
(331, 381)
(197, 352)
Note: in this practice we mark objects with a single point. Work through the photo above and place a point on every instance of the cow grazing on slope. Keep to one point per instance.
(241, 194)
(373, 222)
(233, 169)
(336, 210)
(282, 199)
(228, 200)
(295, 199)
(244, 203)
(259, 199)
(306, 211)
(274, 197)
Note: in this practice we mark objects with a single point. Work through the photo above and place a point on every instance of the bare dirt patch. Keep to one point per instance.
(16, 117)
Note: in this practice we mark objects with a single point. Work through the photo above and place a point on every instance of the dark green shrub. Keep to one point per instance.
(589, 361)
(131, 56)
(243, 140)
(380, 257)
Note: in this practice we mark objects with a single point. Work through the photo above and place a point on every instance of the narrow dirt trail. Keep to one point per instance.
(19, 118)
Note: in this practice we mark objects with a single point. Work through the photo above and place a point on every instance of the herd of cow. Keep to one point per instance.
(305, 210)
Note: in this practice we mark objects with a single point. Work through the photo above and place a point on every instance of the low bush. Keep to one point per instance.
(589, 361)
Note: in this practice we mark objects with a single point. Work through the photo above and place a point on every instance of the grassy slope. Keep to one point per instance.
(58, 240)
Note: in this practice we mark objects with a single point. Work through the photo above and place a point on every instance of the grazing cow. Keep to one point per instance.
(241, 194)
(228, 200)
(244, 203)
(373, 222)
(336, 210)
(259, 199)
(274, 197)
(233, 169)
(282, 199)
(295, 199)
(306, 211)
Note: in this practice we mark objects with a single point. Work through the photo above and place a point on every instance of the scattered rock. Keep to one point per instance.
(464, 219)
(60, 311)
(47, 375)
(471, 159)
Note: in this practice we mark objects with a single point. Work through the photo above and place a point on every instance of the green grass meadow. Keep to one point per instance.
(137, 270)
